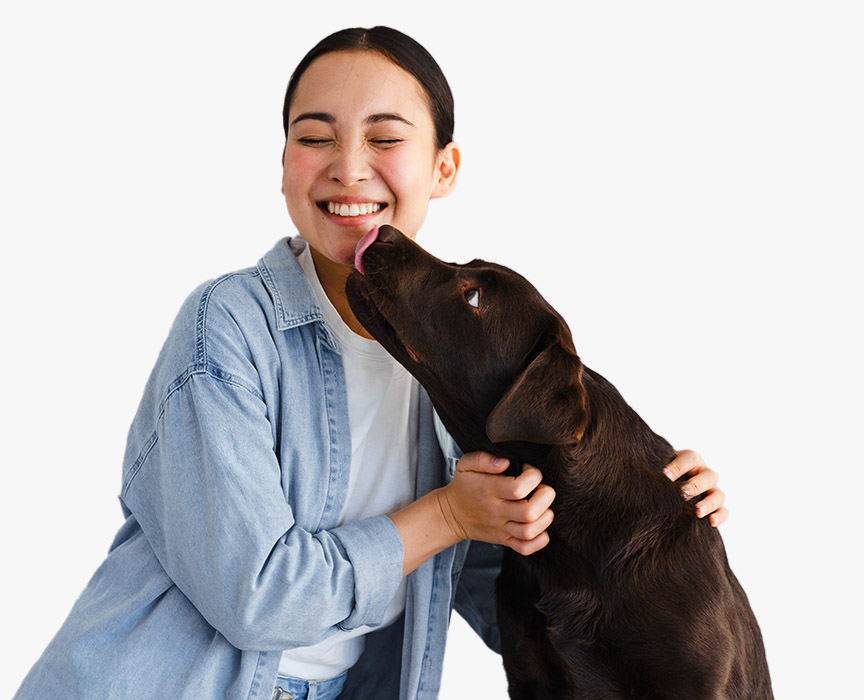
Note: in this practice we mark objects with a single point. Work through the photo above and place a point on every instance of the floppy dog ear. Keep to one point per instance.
(546, 403)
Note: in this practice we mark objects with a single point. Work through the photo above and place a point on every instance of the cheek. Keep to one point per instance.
(299, 171)
(409, 177)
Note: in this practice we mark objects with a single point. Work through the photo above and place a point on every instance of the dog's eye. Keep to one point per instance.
(472, 296)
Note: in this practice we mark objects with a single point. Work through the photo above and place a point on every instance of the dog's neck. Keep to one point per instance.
(587, 475)
(617, 449)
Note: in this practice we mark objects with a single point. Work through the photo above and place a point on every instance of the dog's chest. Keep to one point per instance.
(564, 588)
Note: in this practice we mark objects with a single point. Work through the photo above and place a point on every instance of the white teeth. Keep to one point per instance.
(352, 209)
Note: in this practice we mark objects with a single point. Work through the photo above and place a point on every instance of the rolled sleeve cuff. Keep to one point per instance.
(374, 547)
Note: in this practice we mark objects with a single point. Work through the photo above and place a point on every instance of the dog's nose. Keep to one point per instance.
(362, 245)
(388, 234)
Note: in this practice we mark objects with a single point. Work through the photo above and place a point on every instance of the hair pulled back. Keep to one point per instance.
(402, 50)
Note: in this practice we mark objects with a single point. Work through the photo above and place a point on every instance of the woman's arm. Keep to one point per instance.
(207, 491)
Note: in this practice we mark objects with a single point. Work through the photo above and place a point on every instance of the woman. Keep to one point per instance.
(284, 476)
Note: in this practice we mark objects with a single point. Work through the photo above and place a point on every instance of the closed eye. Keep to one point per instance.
(472, 296)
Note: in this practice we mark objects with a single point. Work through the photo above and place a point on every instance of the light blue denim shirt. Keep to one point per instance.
(235, 472)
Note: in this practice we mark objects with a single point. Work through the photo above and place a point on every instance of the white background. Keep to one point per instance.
(682, 180)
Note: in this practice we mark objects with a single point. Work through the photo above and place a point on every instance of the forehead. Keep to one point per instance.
(355, 84)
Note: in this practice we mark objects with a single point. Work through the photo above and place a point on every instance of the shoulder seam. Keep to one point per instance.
(201, 319)
(176, 385)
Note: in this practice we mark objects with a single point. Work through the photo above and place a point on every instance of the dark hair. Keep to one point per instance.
(402, 50)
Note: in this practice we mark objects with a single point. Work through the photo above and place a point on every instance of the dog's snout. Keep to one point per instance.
(388, 234)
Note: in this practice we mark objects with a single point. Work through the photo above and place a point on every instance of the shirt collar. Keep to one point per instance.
(289, 288)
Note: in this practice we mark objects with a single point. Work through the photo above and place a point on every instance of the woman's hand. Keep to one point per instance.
(700, 480)
(482, 504)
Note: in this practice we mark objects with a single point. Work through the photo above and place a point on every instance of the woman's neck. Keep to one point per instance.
(333, 276)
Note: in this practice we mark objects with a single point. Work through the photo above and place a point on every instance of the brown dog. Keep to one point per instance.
(633, 596)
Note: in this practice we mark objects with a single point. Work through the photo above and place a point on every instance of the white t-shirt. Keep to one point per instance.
(382, 414)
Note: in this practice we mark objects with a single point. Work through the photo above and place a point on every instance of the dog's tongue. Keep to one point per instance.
(362, 245)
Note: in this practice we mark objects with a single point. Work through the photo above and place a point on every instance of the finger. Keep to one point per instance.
(718, 517)
(539, 502)
(529, 530)
(711, 503)
(521, 486)
(482, 462)
(526, 547)
(531, 509)
(685, 461)
(705, 480)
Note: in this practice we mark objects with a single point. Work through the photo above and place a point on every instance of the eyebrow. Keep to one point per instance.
(371, 119)
(386, 117)
(317, 116)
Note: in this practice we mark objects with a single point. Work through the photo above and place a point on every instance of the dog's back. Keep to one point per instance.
(633, 597)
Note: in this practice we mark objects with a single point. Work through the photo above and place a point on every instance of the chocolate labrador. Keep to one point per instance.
(633, 596)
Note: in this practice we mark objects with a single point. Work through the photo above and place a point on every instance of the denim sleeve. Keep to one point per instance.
(475, 593)
(207, 493)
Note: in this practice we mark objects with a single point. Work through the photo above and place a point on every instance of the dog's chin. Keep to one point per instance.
(366, 311)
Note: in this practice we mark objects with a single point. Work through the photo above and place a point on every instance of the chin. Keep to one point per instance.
(342, 254)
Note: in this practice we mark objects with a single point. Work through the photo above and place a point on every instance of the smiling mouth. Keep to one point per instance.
(355, 209)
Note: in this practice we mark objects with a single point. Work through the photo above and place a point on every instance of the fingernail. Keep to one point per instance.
(667, 473)
(500, 462)
(686, 493)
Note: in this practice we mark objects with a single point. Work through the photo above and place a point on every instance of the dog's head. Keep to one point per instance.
(497, 361)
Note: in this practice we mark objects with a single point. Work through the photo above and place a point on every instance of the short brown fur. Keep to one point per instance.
(633, 596)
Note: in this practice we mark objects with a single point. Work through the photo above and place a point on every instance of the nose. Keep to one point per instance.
(349, 166)
(388, 234)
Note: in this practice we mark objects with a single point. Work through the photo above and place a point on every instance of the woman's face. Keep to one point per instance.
(360, 152)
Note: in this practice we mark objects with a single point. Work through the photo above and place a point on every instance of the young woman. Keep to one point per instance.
(297, 523)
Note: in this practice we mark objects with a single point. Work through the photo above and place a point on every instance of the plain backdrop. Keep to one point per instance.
(682, 180)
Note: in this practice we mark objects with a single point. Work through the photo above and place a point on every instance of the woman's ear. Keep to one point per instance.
(284, 151)
(446, 169)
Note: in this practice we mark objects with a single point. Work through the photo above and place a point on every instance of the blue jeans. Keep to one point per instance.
(297, 689)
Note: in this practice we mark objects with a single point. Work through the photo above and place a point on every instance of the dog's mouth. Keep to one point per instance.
(362, 246)
(366, 293)
(360, 297)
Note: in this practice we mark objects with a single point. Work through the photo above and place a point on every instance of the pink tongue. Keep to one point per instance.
(362, 245)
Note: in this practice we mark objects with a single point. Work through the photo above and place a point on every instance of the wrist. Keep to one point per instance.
(447, 512)
(424, 530)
